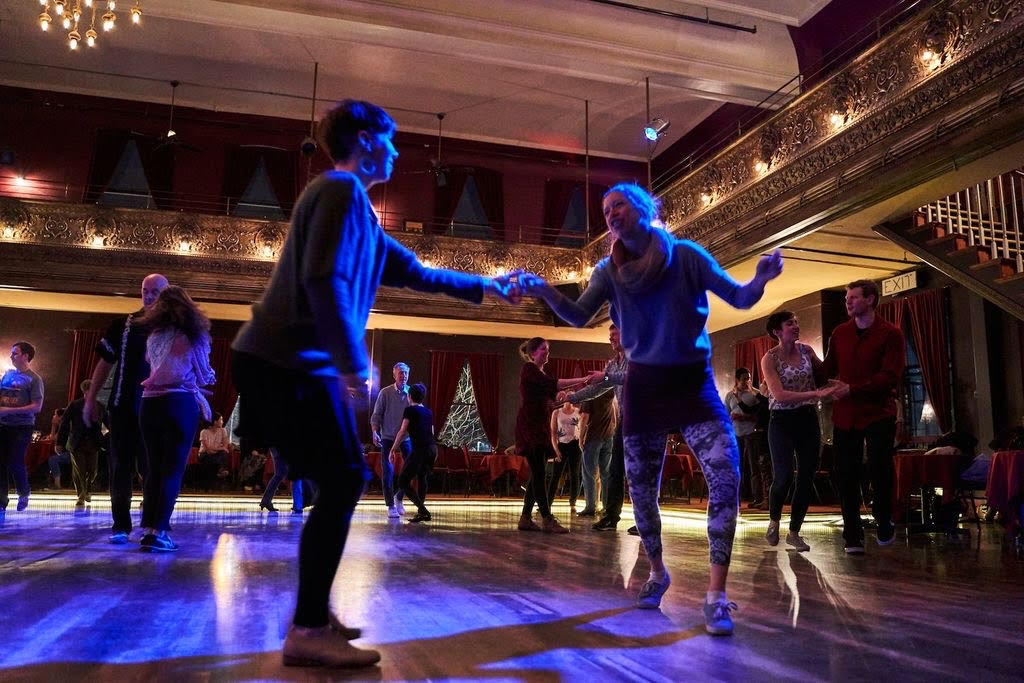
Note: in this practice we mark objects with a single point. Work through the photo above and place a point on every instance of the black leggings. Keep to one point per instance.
(793, 432)
(314, 429)
(571, 461)
(169, 425)
(418, 467)
(537, 458)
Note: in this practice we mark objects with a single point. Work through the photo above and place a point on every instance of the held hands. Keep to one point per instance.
(769, 266)
(562, 396)
(835, 389)
(532, 284)
(595, 377)
(507, 287)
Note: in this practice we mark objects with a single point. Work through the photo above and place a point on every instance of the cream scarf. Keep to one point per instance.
(637, 274)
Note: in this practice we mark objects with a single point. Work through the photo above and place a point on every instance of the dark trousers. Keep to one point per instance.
(793, 433)
(417, 466)
(850, 449)
(14, 441)
(169, 425)
(84, 459)
(387, 470)
(209, 466)
(757, 457)
(570, 461)
(127, 452)
(280, 474)
(536, 458)
(616, 477)
(314, 429)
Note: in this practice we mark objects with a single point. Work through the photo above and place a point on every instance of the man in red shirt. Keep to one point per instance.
(868, 355)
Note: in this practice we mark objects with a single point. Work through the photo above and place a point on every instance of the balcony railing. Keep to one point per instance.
(221, 205)
(988, 214)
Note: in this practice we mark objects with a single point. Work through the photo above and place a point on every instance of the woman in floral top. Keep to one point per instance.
(178, 353)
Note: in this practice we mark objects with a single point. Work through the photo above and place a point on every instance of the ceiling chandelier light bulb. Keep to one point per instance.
(66, 22)
(44, 3)
(44, 21)
(76, 14)
(88, 3)
(136, 14)
(73, 39)
(58, 7)
(108, 21)
(111, 5)
(90, 38)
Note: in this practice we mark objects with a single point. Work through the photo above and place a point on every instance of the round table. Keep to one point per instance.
(1005, 488)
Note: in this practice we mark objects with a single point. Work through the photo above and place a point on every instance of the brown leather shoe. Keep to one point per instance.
(551, 526)
(347, 632)
(527, 524)
(323, 647)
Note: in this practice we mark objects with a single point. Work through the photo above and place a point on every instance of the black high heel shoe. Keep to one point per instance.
(269, 507)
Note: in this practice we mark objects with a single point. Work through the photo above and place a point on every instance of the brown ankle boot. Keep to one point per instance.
(551, 526)
(527, 524)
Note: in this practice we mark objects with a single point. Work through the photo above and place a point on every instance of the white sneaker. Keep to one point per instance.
(400, 508)
(393, 513)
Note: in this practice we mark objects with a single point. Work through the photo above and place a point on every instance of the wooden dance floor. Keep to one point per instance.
(467, 597)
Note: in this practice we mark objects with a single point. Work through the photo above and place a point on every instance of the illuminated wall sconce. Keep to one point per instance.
(8, 233)
(760, 167)
(184, 246)
(427, 263)
(99, 241)
(572, 275)
(268, 252)
(837, 120)
(499, 271)
(931, 58)
(706, 199)
(588, 271)
(20, 181)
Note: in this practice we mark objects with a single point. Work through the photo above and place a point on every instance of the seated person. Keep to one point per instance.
(250, 471)
(213, 453)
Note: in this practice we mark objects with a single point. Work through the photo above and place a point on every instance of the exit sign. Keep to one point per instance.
(903, 282)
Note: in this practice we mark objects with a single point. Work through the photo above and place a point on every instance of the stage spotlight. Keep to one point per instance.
(656, 128)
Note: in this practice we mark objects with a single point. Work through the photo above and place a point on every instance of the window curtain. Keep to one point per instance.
(282, 169)
(158, 165)
(928, 325)
(484, 369)
(748, 354)
(224, 393)
(557, 196)
(446, 199)
(489, 184)
(445, 367)
(83, 359)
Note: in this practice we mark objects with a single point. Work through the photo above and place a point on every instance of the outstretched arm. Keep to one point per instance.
(577, 313)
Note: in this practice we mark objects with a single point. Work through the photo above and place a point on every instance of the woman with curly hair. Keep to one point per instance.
(178, 353)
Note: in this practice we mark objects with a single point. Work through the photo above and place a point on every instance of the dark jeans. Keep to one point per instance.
(792, 432)
(83, 466)
(757, 456)
(209, 466)
(280, 474)
(616, 477)
(570, 461)
(169, 425)
(850, 449)
(14, 441)
(387, 470)
(417, 466)
(127, 452)
(536, 458)
(314, 429)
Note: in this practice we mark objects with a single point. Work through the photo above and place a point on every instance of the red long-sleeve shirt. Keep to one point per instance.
(871, 361)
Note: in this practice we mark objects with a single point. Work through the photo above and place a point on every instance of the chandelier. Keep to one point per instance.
(71, 14)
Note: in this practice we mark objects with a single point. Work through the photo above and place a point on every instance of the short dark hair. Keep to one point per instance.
(340, 126)
(775, 321)
(85, 386)
(214, 416)
(418, 392)
(867, 288)
(740, 372)
(26, 349)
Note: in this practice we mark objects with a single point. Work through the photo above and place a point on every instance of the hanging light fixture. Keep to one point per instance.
(70, 15)
(656, 128)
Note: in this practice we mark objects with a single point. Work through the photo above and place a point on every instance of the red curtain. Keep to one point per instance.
(892, 312)
(588, 365)
(484, 369)
(928, 325)
(561, 368)
(557, 196)
(83, 359)
(748, 354)
(445, 367)
(224, 394)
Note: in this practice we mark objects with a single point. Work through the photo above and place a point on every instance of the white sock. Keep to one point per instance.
(715, 596)
(660, 577)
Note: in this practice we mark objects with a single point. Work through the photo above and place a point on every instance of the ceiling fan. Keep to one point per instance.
(438, 168)
(171, 139)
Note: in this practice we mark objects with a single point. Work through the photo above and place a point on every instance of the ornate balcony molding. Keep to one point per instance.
(882, 98)
(228, 259)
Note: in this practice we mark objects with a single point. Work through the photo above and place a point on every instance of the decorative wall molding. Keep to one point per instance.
(943, 54)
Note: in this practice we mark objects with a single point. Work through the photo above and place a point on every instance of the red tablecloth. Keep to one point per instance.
(498, 464)
(914, 470)
(1005, 489)
(38, 452)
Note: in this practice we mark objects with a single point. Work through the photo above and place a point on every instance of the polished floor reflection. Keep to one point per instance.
(466, 597)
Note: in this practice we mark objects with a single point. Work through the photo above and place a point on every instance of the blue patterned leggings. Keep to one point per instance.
(714, 444)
